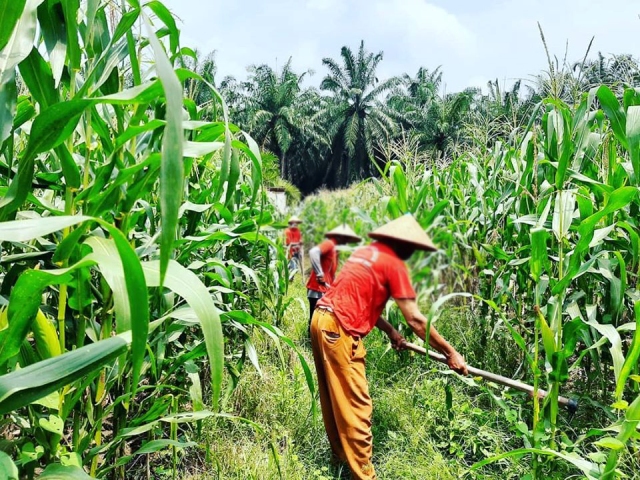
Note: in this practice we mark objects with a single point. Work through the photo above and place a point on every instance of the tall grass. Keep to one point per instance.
(416, 433)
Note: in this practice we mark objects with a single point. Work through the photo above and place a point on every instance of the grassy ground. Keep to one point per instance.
(416, 436)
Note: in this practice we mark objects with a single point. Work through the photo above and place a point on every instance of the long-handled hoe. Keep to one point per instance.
(570, 403)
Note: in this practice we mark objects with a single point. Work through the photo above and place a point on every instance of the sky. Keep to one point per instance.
(473, 41)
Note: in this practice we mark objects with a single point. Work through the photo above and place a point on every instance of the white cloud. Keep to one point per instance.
(325, 4)
(473, 40)
(422, 25)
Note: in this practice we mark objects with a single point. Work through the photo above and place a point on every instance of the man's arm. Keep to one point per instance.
(418, 324)
(397, 341)
(315, 255)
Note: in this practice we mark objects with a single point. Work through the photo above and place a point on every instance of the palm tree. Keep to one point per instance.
(235, 96)
(422, 88)
(441, 122)
(502, 111)
(616, 71)
(199, 92)
(436, 120)
(310, 149)
(355, 118)
(274, 102)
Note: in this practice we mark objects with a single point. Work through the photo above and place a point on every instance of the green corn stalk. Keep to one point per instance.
(121, 138)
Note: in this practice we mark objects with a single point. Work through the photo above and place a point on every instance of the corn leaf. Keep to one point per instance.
(52, 26)
(136, 289)
(633, 138)
(105, 253)
(611, 334)
(45, 337)
(74, 53)
(253, 153)
(629, 426)
(618, 199)
(633, 355)
(16, 41)
(163, 13)
(24, 386)
(10, 12)
(52, 127)
(565, 206)
(200, 149)
(157, 445)
(8, 107)
(614, 113)
(8, 469)
(56, 471)
(20, 43)
(400, 182)
(25, 230)
(186, 284)
(538, 262)
(589, 469)
(171, 170)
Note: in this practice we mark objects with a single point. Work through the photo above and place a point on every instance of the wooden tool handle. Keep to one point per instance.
(570, 403)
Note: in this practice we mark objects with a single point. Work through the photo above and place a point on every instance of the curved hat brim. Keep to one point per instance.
(407, 230)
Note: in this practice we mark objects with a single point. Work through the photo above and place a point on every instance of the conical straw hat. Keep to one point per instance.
(405, 229)
(295, 219)
(343, 231)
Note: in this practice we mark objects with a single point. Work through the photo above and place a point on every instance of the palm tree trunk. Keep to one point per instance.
(345, 169)
(283, 166)
(332, 172)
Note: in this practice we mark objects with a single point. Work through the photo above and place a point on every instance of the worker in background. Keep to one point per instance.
(324, 263)
(345, 315)
(293, 244)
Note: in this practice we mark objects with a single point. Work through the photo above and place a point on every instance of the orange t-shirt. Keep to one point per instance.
(292, 235)
(368, 279)
(329, 263)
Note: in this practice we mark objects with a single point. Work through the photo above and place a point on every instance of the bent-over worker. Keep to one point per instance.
(345, 315)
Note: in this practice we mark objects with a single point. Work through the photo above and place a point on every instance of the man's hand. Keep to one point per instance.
(320, 279)
(398, 342)
(456, 363)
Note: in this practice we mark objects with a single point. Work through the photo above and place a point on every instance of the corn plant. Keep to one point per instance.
(135, 239)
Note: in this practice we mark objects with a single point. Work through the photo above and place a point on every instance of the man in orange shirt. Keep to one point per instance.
(324, 263)
(347, 313)
(293, 241)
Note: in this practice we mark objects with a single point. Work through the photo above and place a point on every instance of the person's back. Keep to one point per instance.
(292, 235)
(368, 279)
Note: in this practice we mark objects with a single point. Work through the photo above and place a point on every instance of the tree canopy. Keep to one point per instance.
(334, 135)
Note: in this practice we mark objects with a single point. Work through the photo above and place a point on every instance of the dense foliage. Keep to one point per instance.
(138, 247)
(541, 234)
(141, 261)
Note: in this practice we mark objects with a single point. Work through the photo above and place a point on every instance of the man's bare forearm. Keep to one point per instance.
(438, 342)
(397, 341)
(419, 323)
(385, 326)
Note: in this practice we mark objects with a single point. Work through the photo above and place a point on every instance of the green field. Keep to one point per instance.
(148, 328)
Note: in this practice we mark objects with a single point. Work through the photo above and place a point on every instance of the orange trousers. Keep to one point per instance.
(344, 393)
